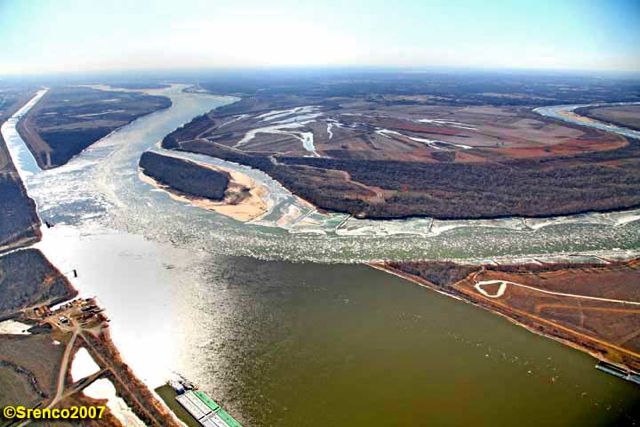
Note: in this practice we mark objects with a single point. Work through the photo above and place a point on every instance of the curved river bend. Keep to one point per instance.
(255, 315)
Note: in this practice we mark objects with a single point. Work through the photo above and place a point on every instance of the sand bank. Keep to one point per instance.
(244, 200)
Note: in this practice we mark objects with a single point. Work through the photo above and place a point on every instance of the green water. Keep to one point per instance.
(339, 345)
(289, 344)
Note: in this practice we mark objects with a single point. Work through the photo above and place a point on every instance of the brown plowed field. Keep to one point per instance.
(441, 161)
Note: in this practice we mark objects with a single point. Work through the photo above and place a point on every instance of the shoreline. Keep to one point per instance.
(587, 112)
(38, 146)
(247, 209)
(204, 202)
(140, 398)
(581, 215)
(348, 197)
(538, 329)
(141, 401)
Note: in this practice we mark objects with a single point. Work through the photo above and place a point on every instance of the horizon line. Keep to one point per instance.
(341, 67)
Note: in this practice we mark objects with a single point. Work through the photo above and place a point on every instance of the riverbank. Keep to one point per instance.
(19, 222)
(134, 392)
(244, 199)
(627, 116)
(397, 164)
(557, 301)
(247, 330)
(30, 289)
(55, 133)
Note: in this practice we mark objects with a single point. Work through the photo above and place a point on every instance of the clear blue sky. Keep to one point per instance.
(41, 36)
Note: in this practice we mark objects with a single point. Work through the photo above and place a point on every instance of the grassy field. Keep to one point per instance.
(29, 366)
(15, 387)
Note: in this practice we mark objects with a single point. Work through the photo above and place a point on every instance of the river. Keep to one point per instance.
(269, 320)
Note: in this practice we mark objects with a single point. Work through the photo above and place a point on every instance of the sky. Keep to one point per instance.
(51, 36)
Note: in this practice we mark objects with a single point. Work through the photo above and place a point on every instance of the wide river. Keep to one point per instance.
(275, 321)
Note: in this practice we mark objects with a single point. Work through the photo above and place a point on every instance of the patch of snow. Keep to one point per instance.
(284, 129)
(307, 142)
(300, 118)
(277, 129)
(13, 328)
(104, 389)
(329, 126)
(448, 123)
(433, 143)
(276, 114)
(387, 132)
(99, 114)
(235, 119)
(83, 365)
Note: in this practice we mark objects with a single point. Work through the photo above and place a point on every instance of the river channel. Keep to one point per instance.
(279, 325)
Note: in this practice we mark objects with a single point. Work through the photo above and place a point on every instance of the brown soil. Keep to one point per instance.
(383, 161)
(35, 360)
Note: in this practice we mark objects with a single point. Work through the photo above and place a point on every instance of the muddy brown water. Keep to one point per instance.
(288, 342)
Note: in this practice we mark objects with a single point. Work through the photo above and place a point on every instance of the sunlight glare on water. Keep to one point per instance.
(276, 341)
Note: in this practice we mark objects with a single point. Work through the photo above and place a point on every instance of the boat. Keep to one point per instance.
(618, 371)
(200, 406)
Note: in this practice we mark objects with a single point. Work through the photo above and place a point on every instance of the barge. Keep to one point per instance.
(619, 372)
(200, 406)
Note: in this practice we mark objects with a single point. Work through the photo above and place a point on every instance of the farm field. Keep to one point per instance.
(389, 156)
